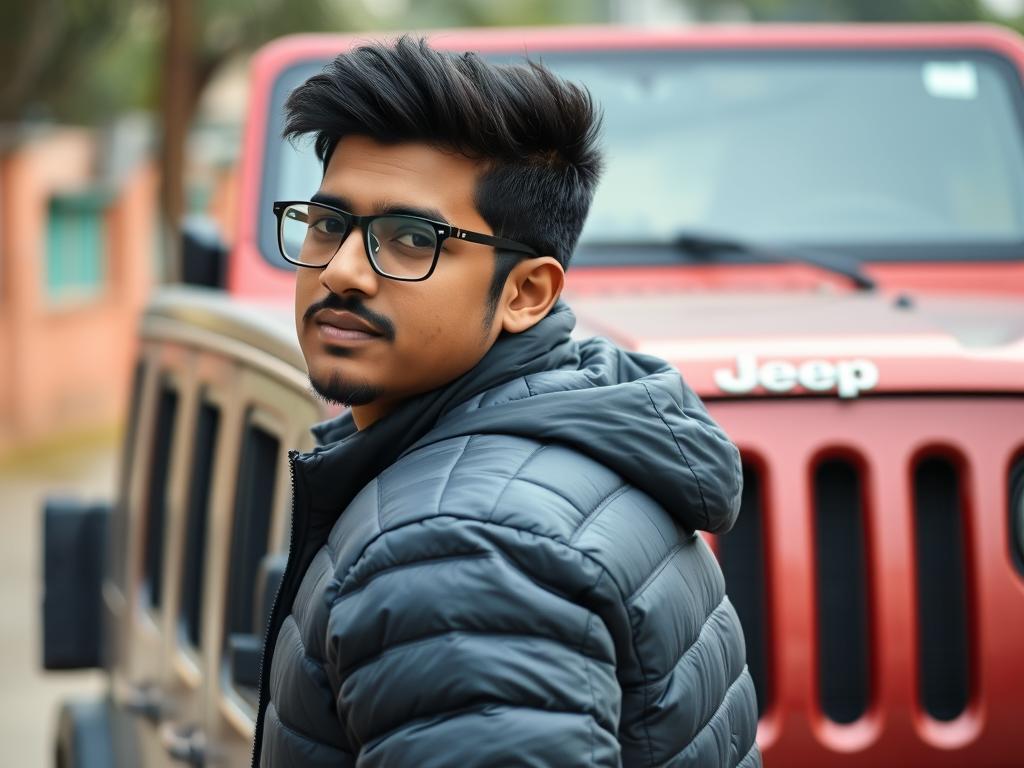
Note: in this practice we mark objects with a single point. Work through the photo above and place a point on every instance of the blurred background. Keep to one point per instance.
(119, 119)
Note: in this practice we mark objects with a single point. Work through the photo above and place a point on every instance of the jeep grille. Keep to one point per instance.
(874, 570)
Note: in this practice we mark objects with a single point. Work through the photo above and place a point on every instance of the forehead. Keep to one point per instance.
(366, 172)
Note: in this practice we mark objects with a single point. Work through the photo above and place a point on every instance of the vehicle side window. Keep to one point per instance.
(156, 496)
(257, 475)
(197, 515)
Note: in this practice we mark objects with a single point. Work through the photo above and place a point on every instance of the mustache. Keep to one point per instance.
(356, 306)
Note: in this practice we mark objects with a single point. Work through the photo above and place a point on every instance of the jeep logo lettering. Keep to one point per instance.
(848, 377)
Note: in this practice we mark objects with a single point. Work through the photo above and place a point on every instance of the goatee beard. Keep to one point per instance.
(339, 391)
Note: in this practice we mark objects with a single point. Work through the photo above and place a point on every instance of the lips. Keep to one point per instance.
(344, 326)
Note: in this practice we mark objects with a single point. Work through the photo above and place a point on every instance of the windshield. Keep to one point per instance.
(876, 152)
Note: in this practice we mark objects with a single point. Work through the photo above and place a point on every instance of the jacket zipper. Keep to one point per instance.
(270, 636)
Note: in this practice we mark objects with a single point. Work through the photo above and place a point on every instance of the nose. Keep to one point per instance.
(349, 269)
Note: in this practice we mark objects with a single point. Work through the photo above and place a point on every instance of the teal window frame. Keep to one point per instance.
(76, 245)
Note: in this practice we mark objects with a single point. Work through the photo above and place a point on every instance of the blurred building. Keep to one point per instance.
(77, 250)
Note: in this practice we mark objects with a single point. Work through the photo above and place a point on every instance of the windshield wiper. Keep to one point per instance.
(707, 246)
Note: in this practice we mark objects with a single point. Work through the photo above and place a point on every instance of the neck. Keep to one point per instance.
(364, 416)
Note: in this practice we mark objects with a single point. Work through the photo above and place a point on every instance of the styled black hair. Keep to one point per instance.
(537, 133)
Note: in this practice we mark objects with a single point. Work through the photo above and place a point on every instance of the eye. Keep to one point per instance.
(329, 225)
(414, 239)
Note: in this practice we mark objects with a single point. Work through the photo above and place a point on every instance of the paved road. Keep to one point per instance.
(28, 696)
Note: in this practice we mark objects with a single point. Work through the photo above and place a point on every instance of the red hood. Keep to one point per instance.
(928, 344)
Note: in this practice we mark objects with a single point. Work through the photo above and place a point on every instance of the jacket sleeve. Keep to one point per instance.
(446, 651)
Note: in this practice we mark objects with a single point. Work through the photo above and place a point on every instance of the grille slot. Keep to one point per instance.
(941, 589)
(156, 496)
(843, 632)
(254, 497)
(741, 553)
(197, 519)
(1015, 497)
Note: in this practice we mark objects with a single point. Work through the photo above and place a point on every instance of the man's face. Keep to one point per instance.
(425, 334)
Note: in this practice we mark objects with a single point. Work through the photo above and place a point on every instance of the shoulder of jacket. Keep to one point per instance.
(489, 475)
(522, 492)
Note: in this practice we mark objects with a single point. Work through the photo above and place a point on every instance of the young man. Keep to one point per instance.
(494, 559)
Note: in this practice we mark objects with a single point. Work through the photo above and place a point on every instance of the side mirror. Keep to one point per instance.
(74, 553)
(244, 649)
(204, 256)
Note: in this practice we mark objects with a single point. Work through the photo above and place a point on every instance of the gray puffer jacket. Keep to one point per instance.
(505, 572)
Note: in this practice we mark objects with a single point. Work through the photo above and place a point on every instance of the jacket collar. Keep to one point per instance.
(346, 459)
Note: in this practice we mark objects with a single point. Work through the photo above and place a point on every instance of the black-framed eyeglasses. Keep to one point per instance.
(399, 246)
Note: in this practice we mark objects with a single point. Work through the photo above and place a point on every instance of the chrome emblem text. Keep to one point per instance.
(848, 377)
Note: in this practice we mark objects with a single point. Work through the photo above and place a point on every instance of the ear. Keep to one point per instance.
(532, 288)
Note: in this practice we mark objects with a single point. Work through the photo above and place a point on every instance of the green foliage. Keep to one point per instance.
(85, 60)
(48, 47)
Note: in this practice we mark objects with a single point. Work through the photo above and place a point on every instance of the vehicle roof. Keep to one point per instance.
(609, 37)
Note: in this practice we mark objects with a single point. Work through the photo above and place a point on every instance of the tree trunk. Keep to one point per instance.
(178, 102)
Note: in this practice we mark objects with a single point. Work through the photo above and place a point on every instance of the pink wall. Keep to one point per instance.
(66, 365)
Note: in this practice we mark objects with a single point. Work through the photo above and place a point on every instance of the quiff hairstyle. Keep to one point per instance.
(536, 133)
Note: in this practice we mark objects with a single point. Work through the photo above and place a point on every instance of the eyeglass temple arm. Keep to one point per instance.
(497, 242)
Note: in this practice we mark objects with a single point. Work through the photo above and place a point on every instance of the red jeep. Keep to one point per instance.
(823, 227)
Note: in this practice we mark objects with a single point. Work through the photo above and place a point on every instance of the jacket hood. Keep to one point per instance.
(631, 412)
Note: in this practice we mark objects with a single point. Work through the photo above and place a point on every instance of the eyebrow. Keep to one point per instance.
(382, 207)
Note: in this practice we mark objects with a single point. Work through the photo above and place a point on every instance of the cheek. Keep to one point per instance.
(444, 321)
(305, 293)
(435, 324)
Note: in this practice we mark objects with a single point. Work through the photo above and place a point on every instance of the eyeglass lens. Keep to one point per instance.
(400, 246)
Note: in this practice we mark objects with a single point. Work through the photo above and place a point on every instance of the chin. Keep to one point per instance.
(340, 390)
